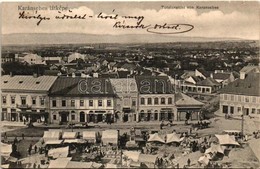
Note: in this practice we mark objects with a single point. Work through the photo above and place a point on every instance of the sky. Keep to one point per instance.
(228, 20)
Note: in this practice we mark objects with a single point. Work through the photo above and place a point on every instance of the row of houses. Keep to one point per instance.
(61, 99)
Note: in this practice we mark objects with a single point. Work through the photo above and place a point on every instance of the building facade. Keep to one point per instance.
(156, 98)
(80, 99)
(127, 100)
(25, 98)
(242, 96)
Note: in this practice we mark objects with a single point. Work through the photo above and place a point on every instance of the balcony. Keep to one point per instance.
(23, 106)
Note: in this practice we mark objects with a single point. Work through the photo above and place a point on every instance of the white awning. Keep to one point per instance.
(173, 137)
(59, 152)
(90, 136)
(110, 136)
(226, 140)
(155, 137)
(48, 135)
(147, 158)
(59, 162)
(49, 142)
(134, 155)
(6, 149)
(74, 141)
(69, 135)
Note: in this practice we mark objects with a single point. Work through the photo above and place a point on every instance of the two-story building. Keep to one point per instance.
(242, 95)
(127, 100)
(156, 98)
(79, 99)
(25, 97)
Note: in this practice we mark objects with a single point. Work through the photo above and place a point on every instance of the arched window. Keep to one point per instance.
(169, 100)
(162, 100)
(156, 100)
(142, 101)
(149, 101)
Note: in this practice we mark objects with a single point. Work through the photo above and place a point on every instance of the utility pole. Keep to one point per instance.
(242, 121)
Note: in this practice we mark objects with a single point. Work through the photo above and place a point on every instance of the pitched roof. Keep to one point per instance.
(30, 83)
(184, 100)
(204, 72)
(249, 86)
(154, 85)
(221, 76)
(78, 86)
(208, 82)
(247, 69)
(124, 85)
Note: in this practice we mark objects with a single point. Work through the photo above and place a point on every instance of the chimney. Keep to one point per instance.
(11, 74)
(211, 75)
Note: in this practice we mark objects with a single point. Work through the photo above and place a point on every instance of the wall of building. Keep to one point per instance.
(233, 104)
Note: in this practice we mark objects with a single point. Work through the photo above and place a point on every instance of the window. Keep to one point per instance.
(156, 100)
(63, 103)
(169, 100)
(225, 97)
(239, 109)
(258, 111)
(72, 103)
(42, 101)
(253, 111)
(133, 103)
(12, 100)
(149, 101)
(73, 117)
(239, 98)
(81, 102)
(54, 103)
(4, 99)
(54, 117)
(225, 109)
(108, 103)
(232, 97)
(33, 101)
(207, 90)
(142, 101)
(99, 103)
(246, 99)
(162, 100)
(231, 109)
(254, 99)
(90, 102)
(23, 100)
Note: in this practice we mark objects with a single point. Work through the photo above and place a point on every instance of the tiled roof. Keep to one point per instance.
(249, 86)
(78, 86)
(208, 82)
(221, 76)
(41, 83)
(184, 100)
(204, 72)
(123, 85)
(154, 85)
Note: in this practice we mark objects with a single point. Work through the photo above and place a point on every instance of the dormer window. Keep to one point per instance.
(20, 82)
(37, 82)
(5, 81)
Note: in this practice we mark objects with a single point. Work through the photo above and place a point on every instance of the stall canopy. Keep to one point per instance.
(6, 149)
(77, 164)
(110, 136)
(215, 148)
(155, 137)
(173, 137)
(69, 135)
(147, 158)
(59, 162)
(51, 135)
(226, 140)
(90, 136)
(204, 160)
(53, 142)
(108, 165)
(134, 155)
(78, 141)
(59, 152)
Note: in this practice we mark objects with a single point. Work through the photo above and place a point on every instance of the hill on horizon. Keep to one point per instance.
(80, 38)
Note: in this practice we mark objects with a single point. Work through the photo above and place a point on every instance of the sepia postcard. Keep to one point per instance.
(130, 84)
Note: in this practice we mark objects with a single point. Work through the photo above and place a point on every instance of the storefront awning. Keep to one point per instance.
(33, 113)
